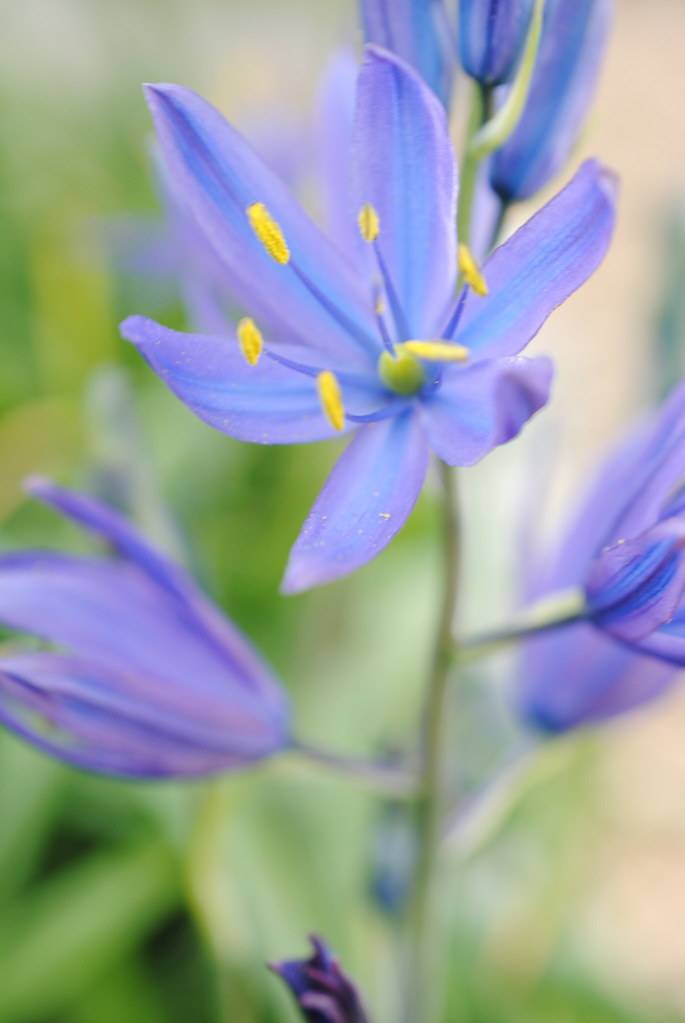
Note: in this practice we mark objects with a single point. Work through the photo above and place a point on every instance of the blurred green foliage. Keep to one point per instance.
(146, 904)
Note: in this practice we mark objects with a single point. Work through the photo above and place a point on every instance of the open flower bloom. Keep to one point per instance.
(574, 36)
(421, 32)
(491, 37)
(323, 993)
(149, 679)
(385, 344)
(625, 550)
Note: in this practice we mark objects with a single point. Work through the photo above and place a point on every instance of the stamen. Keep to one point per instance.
(332, 309)
(369, 222)
(379, 310)
(455, 318)
(250, 340)
(471, 272)
(370, 228)
(269, 232)
(437, 351)
(397, 311)
(331, 399)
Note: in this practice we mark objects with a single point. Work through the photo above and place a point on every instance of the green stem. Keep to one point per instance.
(556, 612)
(381, 776)
(480, 112)
(430, 804)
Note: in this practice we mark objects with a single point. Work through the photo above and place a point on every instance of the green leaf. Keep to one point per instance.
(57, 942)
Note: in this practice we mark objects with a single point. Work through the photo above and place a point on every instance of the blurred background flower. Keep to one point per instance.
(143, 903)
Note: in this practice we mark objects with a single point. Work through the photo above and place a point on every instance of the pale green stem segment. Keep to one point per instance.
(383, 777)
(421, 922)
(487, 131)
(556, 611)
(497, 130)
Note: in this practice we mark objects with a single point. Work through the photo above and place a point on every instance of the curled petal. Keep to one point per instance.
(478, 407)
(365, 501)
(636, 585)
(541, 265)
(407, 173)
(323, 993)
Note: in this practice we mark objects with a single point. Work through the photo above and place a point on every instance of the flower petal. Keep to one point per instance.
(573, 41)
(541, 265)
(98, 719)
(491, 37)
(216, 177)
(110, 610)
(335, 130)
(419, 32)
(407, 172)
(636, 585)
(636, 485)
(479, 407)
(600, 679)
(366, 500)
(265, 404)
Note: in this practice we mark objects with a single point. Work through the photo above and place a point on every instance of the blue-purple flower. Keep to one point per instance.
(625, 548)
(382, 343)
(421, 32)
(141, 675)
(491, 37)
(323, 993)
(572, 45)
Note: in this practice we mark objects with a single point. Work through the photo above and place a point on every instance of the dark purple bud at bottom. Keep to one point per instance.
(323, 993)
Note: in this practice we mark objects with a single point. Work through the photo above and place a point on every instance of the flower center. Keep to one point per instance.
(401, 372)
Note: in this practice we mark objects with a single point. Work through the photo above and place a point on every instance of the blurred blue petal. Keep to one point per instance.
(153, 681)
(491, 37)
(335, 131)
(635, 585)
(625, 547)
(572, 47)
(418, 31)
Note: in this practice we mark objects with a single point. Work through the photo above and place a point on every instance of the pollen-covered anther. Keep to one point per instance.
(269, 232)
(437, 351)
(331, 399)
(250, 340)
(471, 272)
(369, 222)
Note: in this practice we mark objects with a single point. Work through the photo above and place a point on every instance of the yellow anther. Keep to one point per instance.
(379, 307)
(437, 351)
(471, 272)
(269, 232)
(331, 399)
(369, 222)
(250, 340)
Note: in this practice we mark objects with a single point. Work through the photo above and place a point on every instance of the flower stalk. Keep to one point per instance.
(430, 803)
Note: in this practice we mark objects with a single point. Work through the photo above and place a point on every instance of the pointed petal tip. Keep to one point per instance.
(132, 328)
(36, 485)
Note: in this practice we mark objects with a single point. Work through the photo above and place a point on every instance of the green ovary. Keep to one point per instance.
(401, 373)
